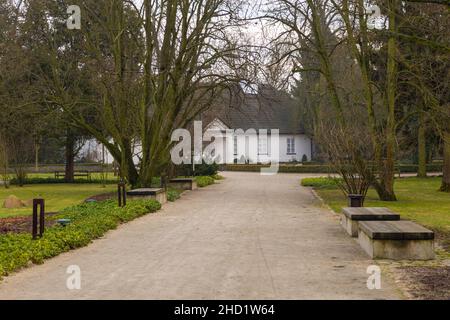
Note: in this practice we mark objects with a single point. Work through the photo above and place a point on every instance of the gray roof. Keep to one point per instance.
(268, 109)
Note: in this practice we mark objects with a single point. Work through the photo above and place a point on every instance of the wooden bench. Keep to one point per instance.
(84, 174)
(158, 194)
(183, 183)
(351, 216)
(397, 240)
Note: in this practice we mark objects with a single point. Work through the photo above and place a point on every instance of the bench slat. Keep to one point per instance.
(370, 213)
(395, 230)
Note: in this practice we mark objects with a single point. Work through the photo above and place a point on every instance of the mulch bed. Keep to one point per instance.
(22, 224)
(427, 283)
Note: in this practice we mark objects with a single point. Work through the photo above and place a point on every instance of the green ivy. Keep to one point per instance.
(88, 222)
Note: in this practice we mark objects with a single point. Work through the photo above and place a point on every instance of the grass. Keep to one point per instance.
(418, 200)
(57, 196)
(319, 183)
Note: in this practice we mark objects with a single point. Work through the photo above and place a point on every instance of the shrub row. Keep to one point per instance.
(286, 168)
(88, 221)
(320, 182)
(282, 168)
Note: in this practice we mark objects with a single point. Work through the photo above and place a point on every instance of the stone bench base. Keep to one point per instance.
(158, 194)
(183, 183)
(396, 240)
(352, 215)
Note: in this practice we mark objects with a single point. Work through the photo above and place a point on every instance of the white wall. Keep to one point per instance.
(302, 146)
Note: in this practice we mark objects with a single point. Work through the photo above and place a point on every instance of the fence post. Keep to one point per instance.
(34, 229)
(121, 194)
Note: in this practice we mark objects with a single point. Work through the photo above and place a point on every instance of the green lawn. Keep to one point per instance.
(57, 196)
(418, 200)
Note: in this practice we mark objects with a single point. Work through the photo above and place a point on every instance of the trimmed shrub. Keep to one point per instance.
(320, 183)
(202, 169)
(206, 169)
(172, 195)
(203, 181)
(286, 168)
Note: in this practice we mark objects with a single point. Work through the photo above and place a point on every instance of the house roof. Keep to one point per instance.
(268, 109)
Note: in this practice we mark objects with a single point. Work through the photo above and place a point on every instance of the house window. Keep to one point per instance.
(290, 145)
(235, 146)
(262, 144)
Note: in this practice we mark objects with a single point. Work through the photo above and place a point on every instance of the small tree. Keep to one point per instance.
(348, 155)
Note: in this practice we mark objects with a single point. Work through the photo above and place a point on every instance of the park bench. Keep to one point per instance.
(76, 174)
(397, 240)
(158, 194)
(351, 216)
(183, 183)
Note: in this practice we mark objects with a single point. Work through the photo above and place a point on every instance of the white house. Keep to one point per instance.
(256, 115)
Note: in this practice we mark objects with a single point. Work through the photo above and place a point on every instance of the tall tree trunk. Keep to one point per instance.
(446, 167)
(70, 157)
(421, 148)
(386, 188)
(36, 156)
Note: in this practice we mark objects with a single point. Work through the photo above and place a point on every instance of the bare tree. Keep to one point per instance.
(156, 67)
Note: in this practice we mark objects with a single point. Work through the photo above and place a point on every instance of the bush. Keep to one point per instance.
(172, 195)
(218, 177)
(88, 221)
(202, 169)
(206, 169)
(203, 181)
(320, 183)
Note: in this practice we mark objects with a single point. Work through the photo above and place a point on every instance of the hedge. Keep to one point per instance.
(320, 182)
(286, 168)
(88, 221)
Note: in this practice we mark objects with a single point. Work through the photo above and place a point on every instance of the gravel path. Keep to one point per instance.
(247, 237)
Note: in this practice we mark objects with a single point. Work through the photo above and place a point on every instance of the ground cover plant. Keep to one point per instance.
(89, 221)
